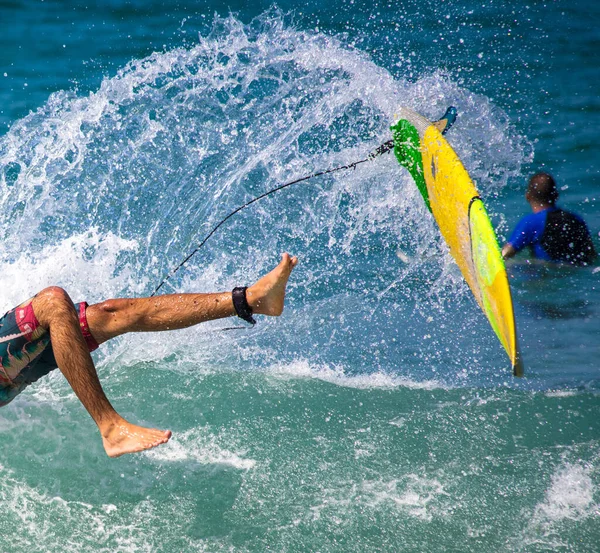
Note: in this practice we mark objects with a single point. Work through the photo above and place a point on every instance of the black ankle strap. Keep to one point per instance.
(240, 303)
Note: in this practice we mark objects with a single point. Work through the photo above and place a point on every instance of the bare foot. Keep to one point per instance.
(267, 296)
(123, 437)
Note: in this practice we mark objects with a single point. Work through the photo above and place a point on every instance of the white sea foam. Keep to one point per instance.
(415, 495)
(23, 505)
(83, 263)
(569, 496)
(569, 499)
(303, 369)
(200, 446)
(561, 393)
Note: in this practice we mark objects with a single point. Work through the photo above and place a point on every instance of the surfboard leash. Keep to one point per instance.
(449, 117)
(380, 150)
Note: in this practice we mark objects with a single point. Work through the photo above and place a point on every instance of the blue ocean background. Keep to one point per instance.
(379, 413)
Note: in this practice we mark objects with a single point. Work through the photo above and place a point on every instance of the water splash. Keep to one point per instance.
(173, 142)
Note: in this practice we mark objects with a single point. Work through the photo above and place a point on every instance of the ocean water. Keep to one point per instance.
(379, 412)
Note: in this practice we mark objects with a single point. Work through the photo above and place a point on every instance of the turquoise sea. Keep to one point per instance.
(379, 413)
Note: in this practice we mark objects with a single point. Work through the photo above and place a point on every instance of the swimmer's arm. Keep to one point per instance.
(508, 251)
(522, 236)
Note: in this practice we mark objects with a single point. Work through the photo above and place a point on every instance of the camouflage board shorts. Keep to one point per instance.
(26, 350)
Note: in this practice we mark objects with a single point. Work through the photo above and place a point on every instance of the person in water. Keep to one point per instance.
(552, 233)
(49, 331)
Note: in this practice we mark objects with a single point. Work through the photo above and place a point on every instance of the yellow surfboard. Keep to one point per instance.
(461, 216)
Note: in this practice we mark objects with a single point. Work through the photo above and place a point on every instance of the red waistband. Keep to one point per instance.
(85, 329)
(28, 323)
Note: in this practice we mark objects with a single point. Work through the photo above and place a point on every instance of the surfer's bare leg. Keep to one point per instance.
(56, 313)
(173, 311)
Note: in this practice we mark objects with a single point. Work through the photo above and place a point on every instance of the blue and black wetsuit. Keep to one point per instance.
(555, 235)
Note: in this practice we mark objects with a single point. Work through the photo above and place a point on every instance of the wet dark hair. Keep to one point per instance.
(542, 189)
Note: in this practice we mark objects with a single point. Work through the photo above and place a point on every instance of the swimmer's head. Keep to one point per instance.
(542, 190)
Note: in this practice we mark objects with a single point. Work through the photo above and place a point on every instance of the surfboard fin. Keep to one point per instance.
(518, 367)
(444, 123)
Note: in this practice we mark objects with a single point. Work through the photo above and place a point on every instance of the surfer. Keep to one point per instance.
(552, 233)
(49, 331)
